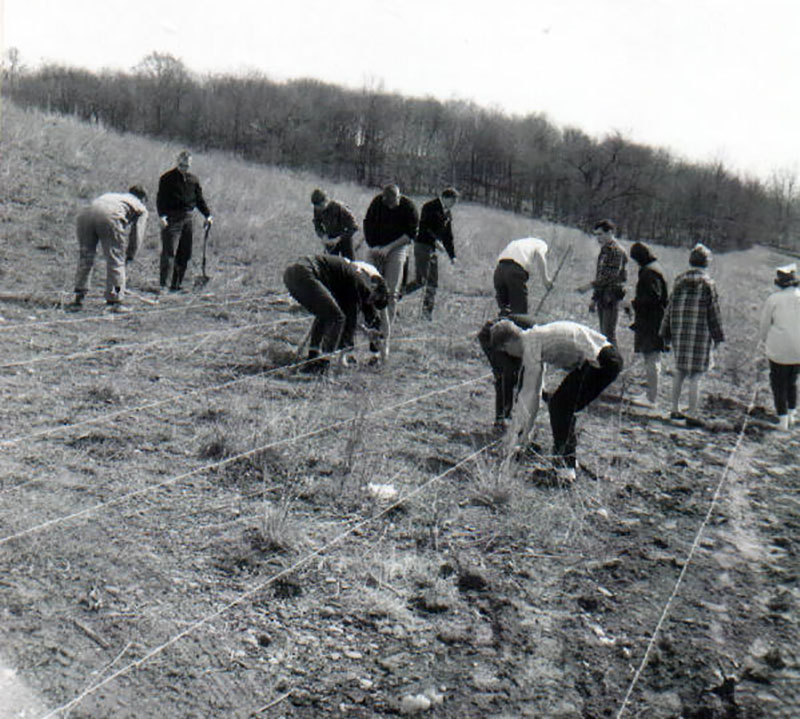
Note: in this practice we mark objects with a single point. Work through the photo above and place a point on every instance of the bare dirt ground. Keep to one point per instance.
(187, 528)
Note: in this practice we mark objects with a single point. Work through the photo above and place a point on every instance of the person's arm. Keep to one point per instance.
(526, 406)
(200, 203)
(136, 235)
(371, 222)
(161, 199)
(765, 322)
(319, 227)
(714, 315)
(347, 222)
(541, 266)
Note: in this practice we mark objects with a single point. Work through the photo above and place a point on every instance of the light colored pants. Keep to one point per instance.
(94, 226)
(391, 267)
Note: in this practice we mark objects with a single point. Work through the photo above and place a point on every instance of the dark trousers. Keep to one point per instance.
(578, 389)
(511, 287)
(608, 316)
(426, 271)
(329, 319)
(783, 380)
(176, 246)
(343, 248)
(506, 370)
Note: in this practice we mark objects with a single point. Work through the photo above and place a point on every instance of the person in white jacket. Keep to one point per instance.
(592, 363)
(779, 331)
(115, 220)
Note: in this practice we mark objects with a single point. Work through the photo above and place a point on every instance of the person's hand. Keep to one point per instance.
(549, 285)
(592, 306)
(583, 289)
(209, 221)
(453, 261)
(163, 221)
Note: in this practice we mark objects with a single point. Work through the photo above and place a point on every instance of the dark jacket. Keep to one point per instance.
(383, 225)
(349, 288)
(649, 304)
(334, 221)
(435, 223)
(507, 370)
(179, 194)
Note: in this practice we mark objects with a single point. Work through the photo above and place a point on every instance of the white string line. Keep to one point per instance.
(726, 471)
(142, 345)
(110, 317)
(264, 584)
(10, 441)
(223, 463)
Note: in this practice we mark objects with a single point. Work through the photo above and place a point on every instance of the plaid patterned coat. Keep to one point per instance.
(692, 320)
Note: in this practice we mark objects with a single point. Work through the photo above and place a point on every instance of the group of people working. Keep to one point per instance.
(116, 221)
(338, 290)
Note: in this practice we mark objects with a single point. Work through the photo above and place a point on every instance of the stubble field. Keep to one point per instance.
(187, 527)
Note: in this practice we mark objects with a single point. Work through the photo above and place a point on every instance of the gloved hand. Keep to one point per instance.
(163, 220)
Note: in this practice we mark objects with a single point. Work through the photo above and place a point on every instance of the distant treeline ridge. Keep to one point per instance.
(525, 164)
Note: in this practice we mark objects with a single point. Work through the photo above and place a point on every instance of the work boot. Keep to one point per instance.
(783, 423)
(792, 418)
(118, 308)
(77, 304)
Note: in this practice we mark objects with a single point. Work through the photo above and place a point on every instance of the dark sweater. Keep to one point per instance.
(435, 224)
(383, 225)
(179, 194)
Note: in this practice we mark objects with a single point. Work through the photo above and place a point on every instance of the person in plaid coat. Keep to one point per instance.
(691, 323)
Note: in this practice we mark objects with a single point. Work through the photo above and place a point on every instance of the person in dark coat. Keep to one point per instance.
(334, 225)
(435, 226)
(179, 193)
(334, 289)
(505, 367)
(648, 305)
(692, 321)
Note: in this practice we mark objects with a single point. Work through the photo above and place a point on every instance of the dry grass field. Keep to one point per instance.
(187, 527)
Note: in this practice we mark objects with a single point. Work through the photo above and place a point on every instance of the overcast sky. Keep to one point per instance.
(708, 79)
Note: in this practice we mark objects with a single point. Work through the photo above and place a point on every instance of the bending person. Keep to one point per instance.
(117, 221)
(593, 364)
(334, 290)
(514, 266)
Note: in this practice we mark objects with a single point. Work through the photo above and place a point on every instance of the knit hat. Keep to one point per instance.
(642, 253)
(700, 255)
(318, 197)
(787, 276)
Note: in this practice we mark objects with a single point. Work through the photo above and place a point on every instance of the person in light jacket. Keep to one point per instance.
(779, 331)
(117, 221)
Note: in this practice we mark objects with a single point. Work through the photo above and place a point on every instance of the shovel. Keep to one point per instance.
(203, 280)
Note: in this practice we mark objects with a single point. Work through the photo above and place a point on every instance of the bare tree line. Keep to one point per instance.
(525, 164)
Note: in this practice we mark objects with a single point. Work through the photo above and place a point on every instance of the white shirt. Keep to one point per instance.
(780, 326)
(526, 252)
(563, 344)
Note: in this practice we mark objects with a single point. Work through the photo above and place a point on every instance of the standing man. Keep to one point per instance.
(179, 192)
(435, 226)
(389, 226)
(514, 266)
(592, 363)
(117, 222)
(334, 225)
(609, 283)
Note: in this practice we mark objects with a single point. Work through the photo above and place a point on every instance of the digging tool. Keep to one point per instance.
(205, 278)
(566, 254)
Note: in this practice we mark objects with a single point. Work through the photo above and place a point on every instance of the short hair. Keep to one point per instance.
(390, 189)
(184, 155)
(451, 192)
(605, 226)
(138, 191)
(318, 197)
(502, 332)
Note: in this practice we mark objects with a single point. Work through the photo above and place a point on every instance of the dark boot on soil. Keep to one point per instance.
(76, 305)
(314, 365)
